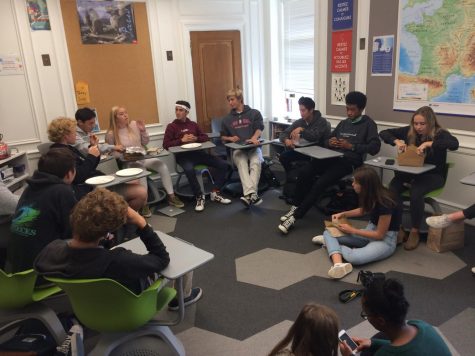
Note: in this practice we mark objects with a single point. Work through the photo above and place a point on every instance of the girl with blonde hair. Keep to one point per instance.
(431, 140)
(128, 133)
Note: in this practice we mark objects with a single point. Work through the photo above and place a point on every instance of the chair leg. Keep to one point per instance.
(39, 312)
(110, 341)
(434, 204)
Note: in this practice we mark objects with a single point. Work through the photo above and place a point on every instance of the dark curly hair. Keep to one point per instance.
(385, 298)
(99, 212)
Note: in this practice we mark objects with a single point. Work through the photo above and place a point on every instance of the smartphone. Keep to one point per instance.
(389, 162)
(343, 336)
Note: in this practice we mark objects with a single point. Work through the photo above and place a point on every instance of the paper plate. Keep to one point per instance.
(100, 180)
(129, 172)
(191, 145)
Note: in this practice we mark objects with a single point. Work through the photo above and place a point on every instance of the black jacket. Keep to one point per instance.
(363, 135)
(58, 259)
(42, 215)
(437, 154)
(85, 168)
(317, 130)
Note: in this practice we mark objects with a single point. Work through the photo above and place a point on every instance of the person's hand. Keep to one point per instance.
(362, 343)
(338, 216)
(94, 150)
(234, 139)
(188, 138)
(289, 143)
(346, 228)
(345, 144)
(345, 349)
(333, 142)
(295, 134)
(253, 140)
(401, 145)
(140, 125)
(93, 140)
(421, 149)
(119, 148)
(135, 218)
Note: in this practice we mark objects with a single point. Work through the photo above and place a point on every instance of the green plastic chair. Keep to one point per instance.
(200, 170)
(106, 306)
(19, 300)
(429, 197)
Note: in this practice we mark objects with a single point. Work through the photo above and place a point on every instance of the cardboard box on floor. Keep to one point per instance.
(447, 239)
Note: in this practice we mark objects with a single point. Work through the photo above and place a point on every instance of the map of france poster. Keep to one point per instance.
(435, 63)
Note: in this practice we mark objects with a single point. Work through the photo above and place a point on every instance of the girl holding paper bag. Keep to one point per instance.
(375, 242)
(432, 140)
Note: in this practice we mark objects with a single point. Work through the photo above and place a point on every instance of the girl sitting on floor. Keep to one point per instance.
(378, 240)
(315, 332)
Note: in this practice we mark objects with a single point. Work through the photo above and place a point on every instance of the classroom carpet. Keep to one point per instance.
(259, 280)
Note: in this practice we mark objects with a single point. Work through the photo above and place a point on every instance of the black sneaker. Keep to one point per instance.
(256, 199)
(195, 295)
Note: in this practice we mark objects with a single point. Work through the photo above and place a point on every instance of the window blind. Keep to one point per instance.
(298, 45)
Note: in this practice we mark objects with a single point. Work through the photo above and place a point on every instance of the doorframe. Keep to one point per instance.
(230, 25)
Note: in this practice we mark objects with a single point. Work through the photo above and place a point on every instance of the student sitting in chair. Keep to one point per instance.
(182, 131)
(97, 214)
(354, 138)
(133, 133)
(245, 125)
(62, 131)
(433, 141)
(42, 214)
(311, 127)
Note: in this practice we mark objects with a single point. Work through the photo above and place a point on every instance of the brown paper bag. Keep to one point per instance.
(410, 157)
(332, 227)
(447, 239)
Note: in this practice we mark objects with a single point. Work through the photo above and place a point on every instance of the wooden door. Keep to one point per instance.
(216, 57)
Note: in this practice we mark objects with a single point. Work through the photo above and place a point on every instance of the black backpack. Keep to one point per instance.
(337, 199)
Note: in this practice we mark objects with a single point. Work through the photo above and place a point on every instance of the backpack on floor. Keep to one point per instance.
(267, 175)
(337, 199)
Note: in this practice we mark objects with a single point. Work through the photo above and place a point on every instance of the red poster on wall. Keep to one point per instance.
(341, 51)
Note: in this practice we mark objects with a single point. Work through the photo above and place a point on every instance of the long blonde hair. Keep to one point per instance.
(314, 332)
(113, 126)
(432, 125)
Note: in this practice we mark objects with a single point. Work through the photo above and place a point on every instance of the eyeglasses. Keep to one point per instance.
(364, 315)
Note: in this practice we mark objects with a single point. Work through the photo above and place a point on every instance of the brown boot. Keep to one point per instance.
(412, 241)
(401, 236)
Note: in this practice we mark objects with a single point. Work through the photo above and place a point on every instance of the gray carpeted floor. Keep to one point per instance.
(259, 280)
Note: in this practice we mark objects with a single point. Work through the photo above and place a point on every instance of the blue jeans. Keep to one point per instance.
(359, 250)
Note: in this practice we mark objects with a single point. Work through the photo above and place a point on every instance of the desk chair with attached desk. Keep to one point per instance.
(429, 197)
(200, 171)
(20, 300)
(121, 316)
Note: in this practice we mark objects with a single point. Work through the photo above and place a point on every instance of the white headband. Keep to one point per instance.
(183, 107)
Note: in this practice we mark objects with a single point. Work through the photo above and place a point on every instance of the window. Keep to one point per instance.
(298, 47)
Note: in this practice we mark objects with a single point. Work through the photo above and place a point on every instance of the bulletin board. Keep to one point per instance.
(116, 74)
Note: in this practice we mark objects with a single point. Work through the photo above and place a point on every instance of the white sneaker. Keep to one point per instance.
(289, 213)
(287, 225)
(200, 203)
(318, 240)
(246, 200)
(340, 270)
(218, 198)
(439, 221)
